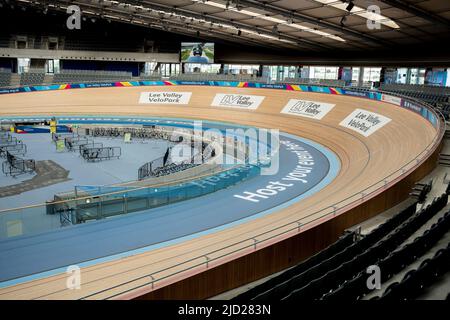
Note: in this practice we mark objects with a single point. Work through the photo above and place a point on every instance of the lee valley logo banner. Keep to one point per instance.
(309, 109)
(237, 101)
(159, 97)
(364, 122)
(391, 99)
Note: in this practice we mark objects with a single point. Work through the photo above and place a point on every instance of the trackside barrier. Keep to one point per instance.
(111, 201)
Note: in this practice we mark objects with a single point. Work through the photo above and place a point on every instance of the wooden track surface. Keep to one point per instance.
(364, 161)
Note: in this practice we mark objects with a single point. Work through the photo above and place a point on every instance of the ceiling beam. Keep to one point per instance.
(165, 24)
(239, 25)
(419, 12)
(300, 16)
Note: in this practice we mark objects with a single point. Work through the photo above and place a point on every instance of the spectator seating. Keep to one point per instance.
(33, 77)
(430, 94)
(5, 77)
(444, 107)
(338, 246)
(332, 278)
(393, 263)
(414, 281)
(217, 77)
(82, 76)
(286, 285)
(151, 77)
(323, 82)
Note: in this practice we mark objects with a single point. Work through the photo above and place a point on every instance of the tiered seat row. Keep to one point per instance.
(282, 285)
(81, 76)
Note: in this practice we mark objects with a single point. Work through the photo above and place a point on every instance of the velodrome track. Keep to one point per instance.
(365, 161)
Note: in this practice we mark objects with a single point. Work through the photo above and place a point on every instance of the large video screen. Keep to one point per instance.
(197, 52)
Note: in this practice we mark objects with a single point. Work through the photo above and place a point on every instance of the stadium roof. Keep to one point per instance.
(305, 25)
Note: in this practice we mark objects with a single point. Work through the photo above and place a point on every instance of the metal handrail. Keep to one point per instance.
(362, 196)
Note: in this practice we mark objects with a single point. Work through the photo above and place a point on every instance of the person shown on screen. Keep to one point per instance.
(196, 56)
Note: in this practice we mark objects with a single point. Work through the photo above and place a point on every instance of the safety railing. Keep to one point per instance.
(98, 202)
(257, 241)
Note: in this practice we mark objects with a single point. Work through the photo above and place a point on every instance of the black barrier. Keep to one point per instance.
(72, 143)
(9, 141)
(63, 135)
(14, 149)
(104, 153)
(14, 166)
(89, 144)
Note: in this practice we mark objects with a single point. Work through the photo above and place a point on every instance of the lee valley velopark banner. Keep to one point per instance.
(160, 97)
(364, 122)
(309, 109)
(237, 101)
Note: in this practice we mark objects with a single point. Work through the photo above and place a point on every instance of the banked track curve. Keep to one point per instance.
(364, 162)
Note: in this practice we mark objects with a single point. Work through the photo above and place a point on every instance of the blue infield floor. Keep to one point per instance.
(305, 168)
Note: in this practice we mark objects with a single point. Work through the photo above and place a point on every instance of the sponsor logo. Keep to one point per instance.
(412, 106)
(309, 109)
(237, 101)
(391, 99)
(364, 122)
(355, 93)
(165, 97)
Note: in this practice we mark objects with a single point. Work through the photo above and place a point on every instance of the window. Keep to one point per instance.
(243, 69)
(149, 67)
(414, 78)
(201, 67)
(49, 67)
(324, 73)
(372, 74)
(23, 65)
(355, 74)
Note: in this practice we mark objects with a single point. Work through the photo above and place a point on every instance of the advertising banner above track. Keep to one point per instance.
(364, 122)
(240, 101)
(309, 109)
(159, 97)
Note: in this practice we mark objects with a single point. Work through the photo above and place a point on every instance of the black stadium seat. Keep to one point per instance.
(342, 243)
(395, 262)
(346, 271)
(301, 279)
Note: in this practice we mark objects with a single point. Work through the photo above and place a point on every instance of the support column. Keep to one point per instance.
(361, 76)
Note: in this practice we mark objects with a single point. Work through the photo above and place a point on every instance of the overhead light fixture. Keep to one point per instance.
(258, 15)
(359, 11)
(350, 6)
(344, 18)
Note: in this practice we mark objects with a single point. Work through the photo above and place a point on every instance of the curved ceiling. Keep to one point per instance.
(314, 25)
